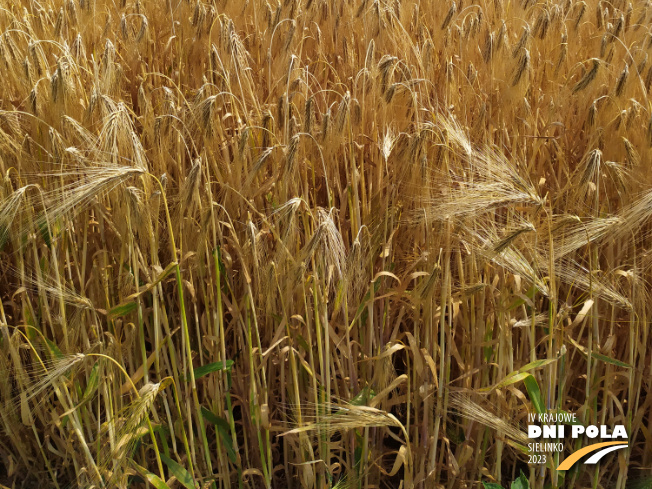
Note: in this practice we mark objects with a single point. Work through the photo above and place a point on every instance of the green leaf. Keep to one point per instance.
(223, 429)
(302, 342)
(644, 482)
(156, 481)
(131, 305)
(357, 457)
(122, 310)
(93, 381)
(339, 296)
(612, 361)
(151, 478)
(491, 485)
(536, 364)
(217, 252)
(520, 374)
(512, 378)
(32, 333)
(521, 482)
(45, 233)
(182, 475)
(534, 392)
(4, 236)
(363, 397)
(29, 317)
(519, 302)
(455, 433)
(54, 349)
(212, 367)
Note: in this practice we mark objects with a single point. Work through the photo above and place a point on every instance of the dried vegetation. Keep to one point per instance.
(307, 244)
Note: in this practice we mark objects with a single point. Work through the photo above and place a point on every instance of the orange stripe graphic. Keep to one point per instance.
(570, 461)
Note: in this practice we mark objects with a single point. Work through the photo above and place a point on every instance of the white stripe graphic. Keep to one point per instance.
(595, 458)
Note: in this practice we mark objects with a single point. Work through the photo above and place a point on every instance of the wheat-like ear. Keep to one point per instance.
(119, 139)
(591, 166)
(619, 174)
(632, 157)
(592, 281)
(355, 261)
(9, 143)
(622, 80)
(462, 404)
(37, 379)
(570, 233)
(511, 235)
(121, 433)
(538, 320)
(489, 47)
(92, 182)
(588, 77)
(189, 196)
(632, 218)
(327, 244)
(490, 180)
(484, 239)
(350, 480)
(34, 281)
(449, 16)
(522, 66)
(258, 164)
(9, 208)
(75, 131)
(338, 418)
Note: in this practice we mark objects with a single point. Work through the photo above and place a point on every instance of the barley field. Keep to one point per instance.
(322, 243)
